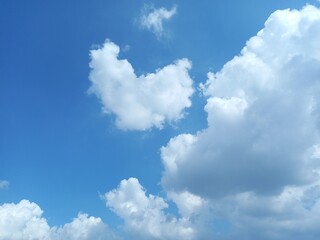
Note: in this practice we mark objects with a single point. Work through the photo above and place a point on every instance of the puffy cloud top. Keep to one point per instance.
(142, 102)
(23, 221)
(144, 215)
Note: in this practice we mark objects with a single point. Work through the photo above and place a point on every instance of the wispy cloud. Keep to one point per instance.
(4, 184)
(152, 19)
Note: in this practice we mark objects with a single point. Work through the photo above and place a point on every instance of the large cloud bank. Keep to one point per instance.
(258, 160)
(263, 116)
(143, 102)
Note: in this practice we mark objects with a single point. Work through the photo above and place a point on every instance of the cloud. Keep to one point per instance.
(4, 184)
(263, 116)
(24, 221)
(84, 227)
(188, 204)
(257, 163)
(144, 216)
(152, 19)
(291, 215)
(143, 102)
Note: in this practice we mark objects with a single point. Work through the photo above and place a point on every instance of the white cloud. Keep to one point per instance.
(176, 152)
(24, 221)
(84, 227)
(143, 102)
(152, 19)
(4, 184)
(144, 215)
(263, 115)
(189, 205)
(257, 163)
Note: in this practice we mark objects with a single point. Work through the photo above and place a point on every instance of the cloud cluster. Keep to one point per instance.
(24, 221)
(152, 19)
(258, 161)
(144, 215)
(143, 102)
(253, 173)
(4, 184)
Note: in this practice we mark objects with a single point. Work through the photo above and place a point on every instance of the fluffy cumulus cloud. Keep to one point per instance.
(258, 161)
(4, 184)
(24, 221)
(142, 102)
(144, 215)
(152, 19)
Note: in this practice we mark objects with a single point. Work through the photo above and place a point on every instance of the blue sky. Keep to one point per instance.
(235, 140)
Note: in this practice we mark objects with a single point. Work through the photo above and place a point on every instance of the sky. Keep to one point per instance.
(159, 120)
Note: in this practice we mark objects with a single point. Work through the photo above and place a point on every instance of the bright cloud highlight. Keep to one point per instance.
(143, 102)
